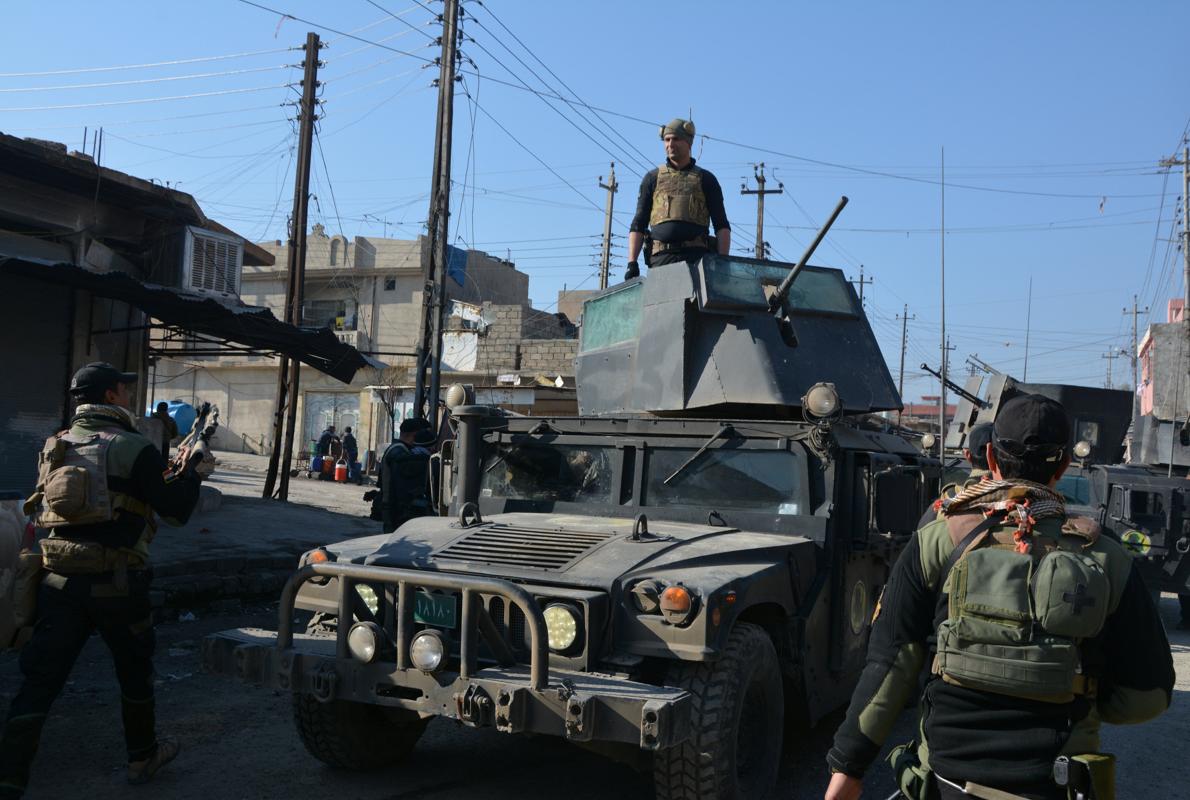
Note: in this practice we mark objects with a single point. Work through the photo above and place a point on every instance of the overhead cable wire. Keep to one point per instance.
(406, 23)
(148, 99)
(341, 34)
(643, 160)
(81, 70)
(138, 81)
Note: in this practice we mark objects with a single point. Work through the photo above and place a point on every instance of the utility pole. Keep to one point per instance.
(1028, 329)
(1135, 312)
(606, 257)
(288, 370)
(1184, 162)
(943, 340)
(861, 283)
(978, 363)
(1110, 355)
(904, 343)
(434, 307)
(760, 192)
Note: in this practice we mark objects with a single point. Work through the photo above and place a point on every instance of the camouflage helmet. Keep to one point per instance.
(682, 128)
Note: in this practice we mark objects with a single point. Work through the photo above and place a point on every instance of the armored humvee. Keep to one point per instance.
(677, 571)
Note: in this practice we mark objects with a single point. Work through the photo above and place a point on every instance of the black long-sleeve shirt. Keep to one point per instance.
(679, 231)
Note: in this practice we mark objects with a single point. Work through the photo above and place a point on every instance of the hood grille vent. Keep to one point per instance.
(531, 548)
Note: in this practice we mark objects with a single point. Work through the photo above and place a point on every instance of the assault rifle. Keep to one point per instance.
(189, 454)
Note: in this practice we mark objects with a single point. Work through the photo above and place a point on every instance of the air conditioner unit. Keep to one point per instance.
(211, 263)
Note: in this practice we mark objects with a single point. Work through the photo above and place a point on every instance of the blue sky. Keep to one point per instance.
(1053, 118)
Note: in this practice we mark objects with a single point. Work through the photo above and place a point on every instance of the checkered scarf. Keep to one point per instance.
(1015, 499)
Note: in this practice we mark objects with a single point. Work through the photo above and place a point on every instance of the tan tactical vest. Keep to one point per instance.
(72, 483)
(678, 197)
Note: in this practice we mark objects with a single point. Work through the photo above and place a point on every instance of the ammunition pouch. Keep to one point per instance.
(71, 557)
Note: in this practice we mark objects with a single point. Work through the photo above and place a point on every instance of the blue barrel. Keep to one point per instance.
(183, 415)
(316, 464)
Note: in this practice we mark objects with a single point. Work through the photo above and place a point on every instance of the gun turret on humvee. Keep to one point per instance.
(693, 558)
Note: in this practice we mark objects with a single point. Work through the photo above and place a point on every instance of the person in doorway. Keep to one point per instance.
(96, 560)
(677, 202)
(169, 428)
(1033, 626)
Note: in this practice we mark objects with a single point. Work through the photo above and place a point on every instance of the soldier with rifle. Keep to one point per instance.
(100, 487)
(677, 201)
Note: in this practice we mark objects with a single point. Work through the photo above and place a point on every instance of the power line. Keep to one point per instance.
(148, 99)
(139, 81)
(202, 59)
(398, 19)
(342, 34)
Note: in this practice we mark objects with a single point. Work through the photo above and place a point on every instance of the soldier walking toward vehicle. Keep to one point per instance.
(99, 484)
(677, 201)
(1034, 627)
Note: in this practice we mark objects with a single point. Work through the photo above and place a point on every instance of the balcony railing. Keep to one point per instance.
(356, 339)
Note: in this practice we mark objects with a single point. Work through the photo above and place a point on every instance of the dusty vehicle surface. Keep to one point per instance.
(678, 571)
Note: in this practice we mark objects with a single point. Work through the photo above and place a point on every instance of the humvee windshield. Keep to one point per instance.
(765, 481)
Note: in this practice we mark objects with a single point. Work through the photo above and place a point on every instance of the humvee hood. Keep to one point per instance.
(564, 549)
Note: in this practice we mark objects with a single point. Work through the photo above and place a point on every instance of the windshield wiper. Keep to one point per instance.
(724, 430)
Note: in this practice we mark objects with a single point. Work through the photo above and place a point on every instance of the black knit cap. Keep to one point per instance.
(99, 375)
(1032, 427)
(977, 442)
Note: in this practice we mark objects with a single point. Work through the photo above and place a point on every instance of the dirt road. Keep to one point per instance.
(238, 742)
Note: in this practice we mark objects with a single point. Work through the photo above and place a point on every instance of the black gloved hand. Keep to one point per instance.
(633, 271)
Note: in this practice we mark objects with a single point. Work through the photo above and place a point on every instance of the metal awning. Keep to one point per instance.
(253, 326)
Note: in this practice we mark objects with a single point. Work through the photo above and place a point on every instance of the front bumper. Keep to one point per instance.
(512, 697)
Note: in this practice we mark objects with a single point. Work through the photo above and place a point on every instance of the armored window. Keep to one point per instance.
(768, 481)
(735, 284)
(612, 319)
(548, 472)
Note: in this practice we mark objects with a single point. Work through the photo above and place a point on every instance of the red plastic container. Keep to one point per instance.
(341, 472)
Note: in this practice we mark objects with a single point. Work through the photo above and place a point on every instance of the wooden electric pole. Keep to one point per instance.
(288, 370)
(1135, 312)
(760, 192)
(1110, 355)
(606, 256)
(861, 283)
(904, 343)
(434, 306)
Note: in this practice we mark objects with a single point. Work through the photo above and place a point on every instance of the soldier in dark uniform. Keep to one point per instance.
(677, 202)
(403, 477)
(100, 486)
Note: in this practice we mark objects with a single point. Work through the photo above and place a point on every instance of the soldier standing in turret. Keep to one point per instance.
(100, 486)
(677, 203)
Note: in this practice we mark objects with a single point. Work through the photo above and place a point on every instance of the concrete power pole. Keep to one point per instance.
(1184, 162)
(760, 192)
(605, 257)
(288, 370)
(1110, 355)
(904, 343)
(434, 306)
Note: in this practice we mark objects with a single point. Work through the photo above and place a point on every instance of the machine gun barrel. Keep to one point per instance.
(783, 290)
(959, 390)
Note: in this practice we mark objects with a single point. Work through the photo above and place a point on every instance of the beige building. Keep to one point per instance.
(370, 292)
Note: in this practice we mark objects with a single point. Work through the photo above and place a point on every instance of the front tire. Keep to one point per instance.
(736, 724)
(356, 736)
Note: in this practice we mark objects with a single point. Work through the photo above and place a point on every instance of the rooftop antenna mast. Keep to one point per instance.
(942, 342)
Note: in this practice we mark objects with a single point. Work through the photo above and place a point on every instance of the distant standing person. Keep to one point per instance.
(350, 452)
(325, 442)
(169, 428)
(677, 203)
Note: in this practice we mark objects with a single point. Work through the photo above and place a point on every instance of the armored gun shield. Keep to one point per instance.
(701, 340)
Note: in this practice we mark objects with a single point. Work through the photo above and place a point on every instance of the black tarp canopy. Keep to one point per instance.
(252, 326)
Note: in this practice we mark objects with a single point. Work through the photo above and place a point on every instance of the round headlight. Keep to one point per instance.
(1082, 449)
(368, 595)
(822, 401)
(427, 650)
(928, 441)
(561, 623)
(363, 640)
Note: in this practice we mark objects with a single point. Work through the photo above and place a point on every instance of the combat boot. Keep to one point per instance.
(143, 771)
